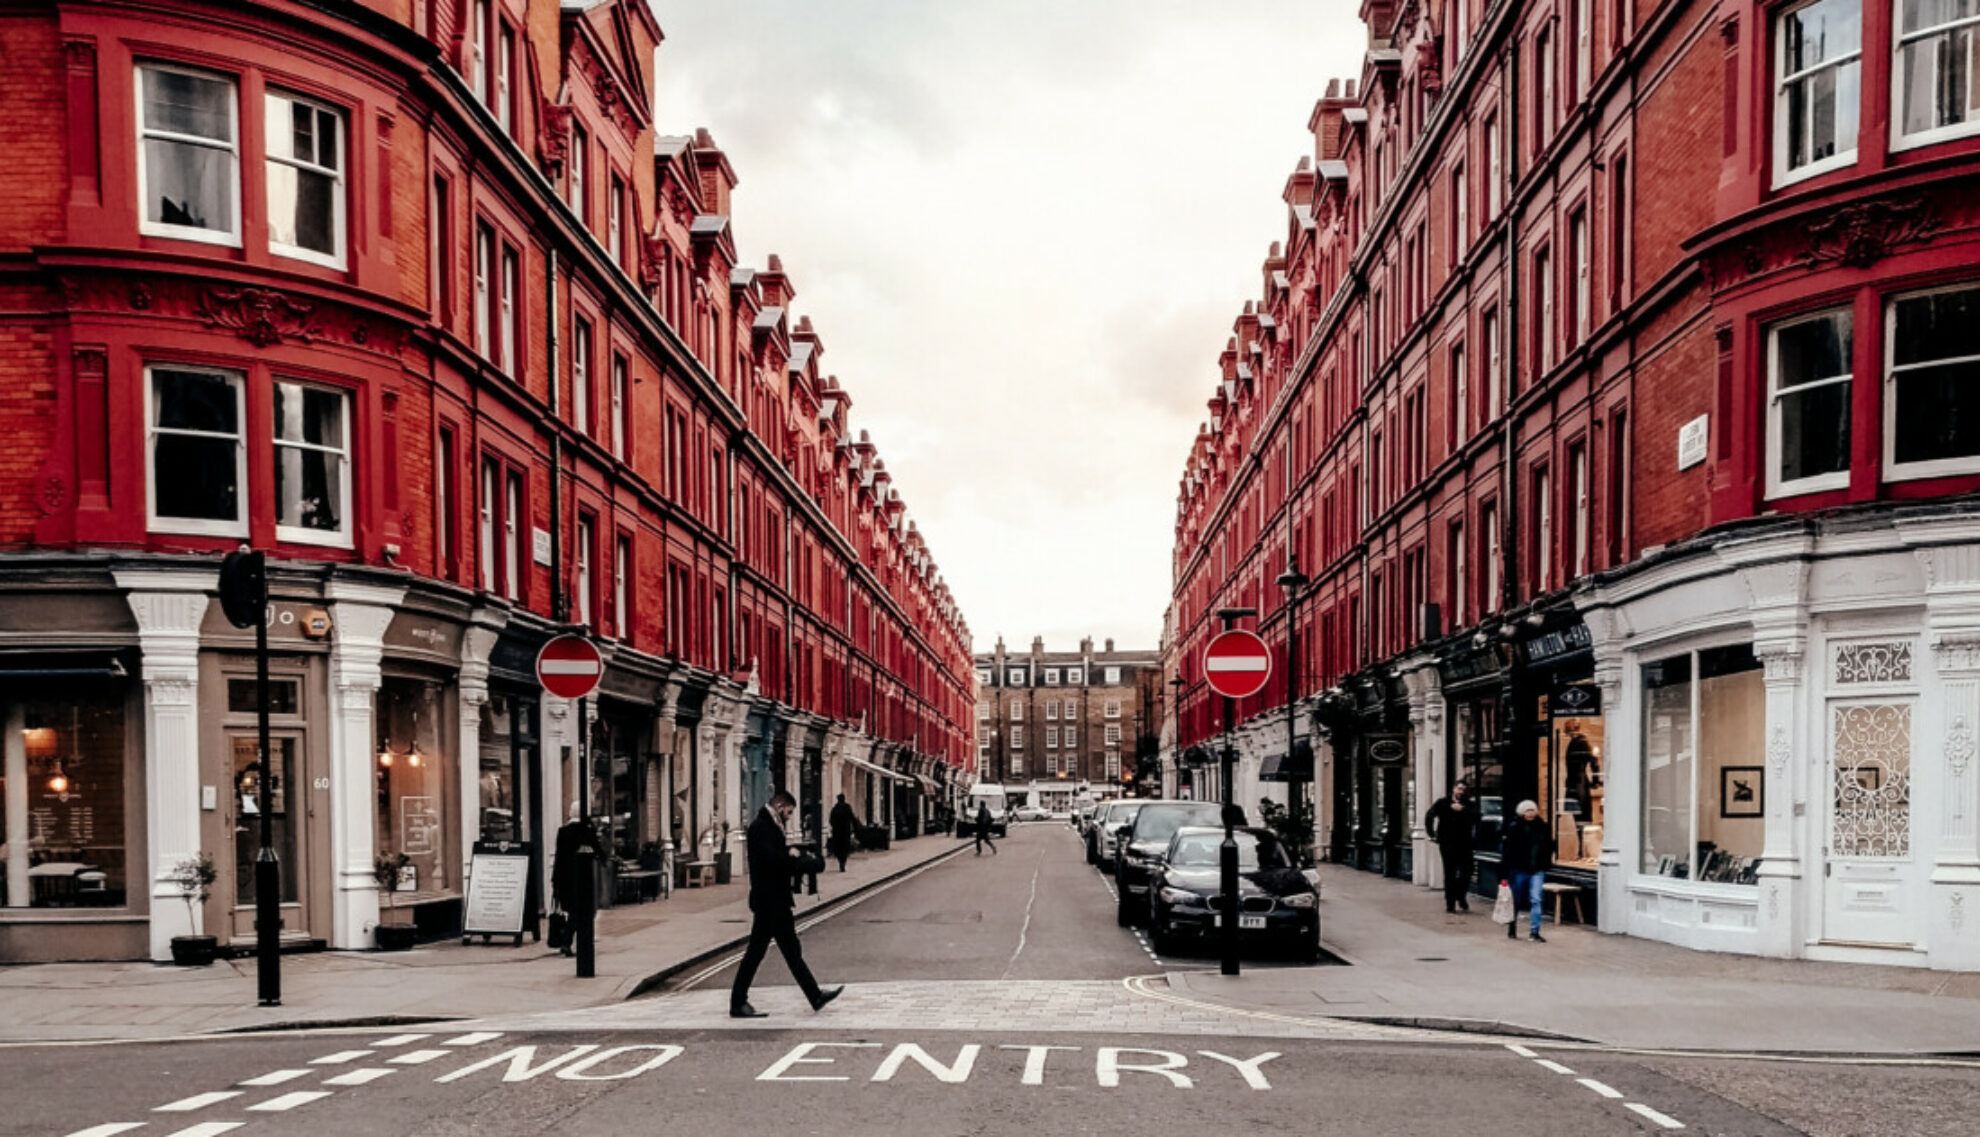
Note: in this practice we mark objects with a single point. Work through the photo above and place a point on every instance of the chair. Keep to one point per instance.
(700, 874)
(1562, 893)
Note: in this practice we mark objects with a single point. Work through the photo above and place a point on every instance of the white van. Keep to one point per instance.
(992, 795)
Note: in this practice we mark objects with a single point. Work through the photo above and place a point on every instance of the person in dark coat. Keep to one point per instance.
(983, 829)
(770, 904)
(567, 883)
(1525, 853)
(1453, 823)
(842, 821)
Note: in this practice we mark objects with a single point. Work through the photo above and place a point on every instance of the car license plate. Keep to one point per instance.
(1244, 922)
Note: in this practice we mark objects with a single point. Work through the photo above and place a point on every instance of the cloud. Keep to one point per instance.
(1023, 228)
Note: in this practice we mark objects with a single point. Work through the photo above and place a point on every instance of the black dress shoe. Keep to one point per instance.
(1537, 938)
(746, 1012)
(825, 997)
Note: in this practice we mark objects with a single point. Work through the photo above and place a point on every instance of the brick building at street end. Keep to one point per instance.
(1056, 724)
(1614, 388)
(414, 297)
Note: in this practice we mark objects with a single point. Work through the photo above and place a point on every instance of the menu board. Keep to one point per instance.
(498, 888)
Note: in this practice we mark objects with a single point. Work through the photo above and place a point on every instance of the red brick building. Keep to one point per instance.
(1612, 383)
(415, 297)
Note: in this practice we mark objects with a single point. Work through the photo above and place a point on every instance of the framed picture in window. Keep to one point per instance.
(1742, 791)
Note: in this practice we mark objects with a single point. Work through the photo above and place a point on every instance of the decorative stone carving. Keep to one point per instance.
(140, 296)
(1857, 663)
(1959, 746)
(553, 140)
(51, 494)
(1958, 654)
(1783, 663)
(260, 316)
(1778, 749)
(1858, 236)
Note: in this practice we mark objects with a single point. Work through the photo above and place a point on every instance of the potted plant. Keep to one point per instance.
(194, 876)
(386, 869)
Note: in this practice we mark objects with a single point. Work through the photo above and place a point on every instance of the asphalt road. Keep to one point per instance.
(987, 998)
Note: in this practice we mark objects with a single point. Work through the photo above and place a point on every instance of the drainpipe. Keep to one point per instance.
(1509, 552)
(560, 605)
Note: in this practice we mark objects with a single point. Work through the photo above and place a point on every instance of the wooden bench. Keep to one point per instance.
(1565, 892)
(638, 884)
(700, 874)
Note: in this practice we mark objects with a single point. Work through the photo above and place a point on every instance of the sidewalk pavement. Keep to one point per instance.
(637, 945)
(1410, 964)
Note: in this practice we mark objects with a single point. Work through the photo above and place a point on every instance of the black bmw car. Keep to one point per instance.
(1141, 846)
(1277, 903)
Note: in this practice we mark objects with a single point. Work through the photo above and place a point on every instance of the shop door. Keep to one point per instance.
(289, 835)
(1869, 887)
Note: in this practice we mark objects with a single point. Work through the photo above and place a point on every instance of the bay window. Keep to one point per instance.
(188, 155)
(1818, 53)
(198, 452)
(1932, 389)
(305, 179)
(312, 464)
(1938, 49)
(1808, 395)
(1704, 766)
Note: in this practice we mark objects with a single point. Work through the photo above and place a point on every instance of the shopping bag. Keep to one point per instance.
(560, 931)
(1502, 908)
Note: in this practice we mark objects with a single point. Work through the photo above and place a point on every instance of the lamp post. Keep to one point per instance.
(1292, 581)
(1175, 706)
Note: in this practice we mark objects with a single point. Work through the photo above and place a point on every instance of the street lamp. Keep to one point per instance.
(1175, 706)
(1292, 581)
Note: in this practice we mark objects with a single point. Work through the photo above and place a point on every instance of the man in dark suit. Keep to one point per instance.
(771, 905)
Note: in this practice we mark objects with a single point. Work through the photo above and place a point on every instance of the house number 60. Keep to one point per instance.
(320, 784)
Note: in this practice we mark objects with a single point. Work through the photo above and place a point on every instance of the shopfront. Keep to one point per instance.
(1374, 787)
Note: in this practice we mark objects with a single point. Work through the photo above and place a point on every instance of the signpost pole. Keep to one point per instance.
(1228, 853)
(267, 871)
(587, 916)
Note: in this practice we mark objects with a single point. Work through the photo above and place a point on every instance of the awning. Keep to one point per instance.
(881, 770)
(1300, 769)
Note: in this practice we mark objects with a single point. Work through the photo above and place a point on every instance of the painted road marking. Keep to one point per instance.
(197, 1101)
(341, 1057)
(1599, 1088)
(208, 1129)
(1556, 1067)
(1659, 1118)
(401, 1039)
(475, 1039)
(276, 1078)
(289, 1101)
(362, 1076)
(110, 1130)
(1522, 1051)
(419, 1057)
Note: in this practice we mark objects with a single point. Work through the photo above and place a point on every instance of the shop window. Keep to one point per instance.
(1938, 50)
(198, 455)
(507, 738)
(412, 778)
(63, 826)
(1933, 344)
(244, 749)
(1808, 386)
(1480, 764)
(284, 697)
(305, 179)
(312, 465)
(1704, 769)
(1818, 53)
(188, 155)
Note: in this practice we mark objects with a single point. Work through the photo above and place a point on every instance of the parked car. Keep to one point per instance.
(1277, 903)
(1143, 843)
(1031, 813)
(1104, 842)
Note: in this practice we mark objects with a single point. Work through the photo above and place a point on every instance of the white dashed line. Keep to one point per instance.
(362, 1076)
(276, 1078)
(401, 1039)
(1599, 1088)
(475, 1039)
(341, 1057)
(197, 1101)
(1522, 1051)
(289, 1101)
(1658, 1118)
(110, 1130)
(1556, 1067)
(418, 1057)
(208, 1129)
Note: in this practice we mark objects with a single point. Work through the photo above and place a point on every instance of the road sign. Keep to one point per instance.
(1237, 664)
(569, 667)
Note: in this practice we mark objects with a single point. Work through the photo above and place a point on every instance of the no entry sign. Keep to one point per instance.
(569, 667)
(1237, 664)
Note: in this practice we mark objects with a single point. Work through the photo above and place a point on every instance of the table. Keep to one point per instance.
(1561, 892)
(700, 874)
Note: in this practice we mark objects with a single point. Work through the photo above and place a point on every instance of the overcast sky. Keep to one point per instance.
(1023, 229)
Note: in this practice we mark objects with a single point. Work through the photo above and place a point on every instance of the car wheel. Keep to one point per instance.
(1159, 935)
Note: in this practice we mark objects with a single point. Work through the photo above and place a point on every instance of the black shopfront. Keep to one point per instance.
(1374, 793)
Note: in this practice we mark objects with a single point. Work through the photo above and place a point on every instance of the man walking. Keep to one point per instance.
(842, 820)
(1524, 856)
(983, 829)
(771, 906)
(1453, 824)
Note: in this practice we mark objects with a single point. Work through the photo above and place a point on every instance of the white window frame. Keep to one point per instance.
(1113, 709)
(1899, 39)
(478, 52)
(1488, 520)
(1495, 164)
(1113, 735)
(584, 539)
(1842, 158)
(1460, 576)
(1015, 676)
(1578, 487)
(1072, 708)
(1052, 710)
(1776, 487)
(511, 362)
(1460, 394)
(484, 297)
(230, 237)
(1543, 531)
(1543, 269)
(620, 394)
(1938, 468)
(579, 156)
(1113, 677)
(1076, 676)
(581, 377)
(1583, 293)
(1051, 677)
(1017, 710)
(340, 538)
(1461, 208)
(491, 486)
(512, 551)
(195, 526)
(296, 252)
(1051, 738)
(1017, 738)
(615, 212)
(1584, 49)
(505, 51)
(1495, 388)
(621, 592)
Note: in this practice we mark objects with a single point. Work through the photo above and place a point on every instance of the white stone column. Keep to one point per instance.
(13, 728)
(664, 744)
(1427, 746)
(360, 614)
(1621, 750)
(169, 607)
(477, 643)
(1946, 786)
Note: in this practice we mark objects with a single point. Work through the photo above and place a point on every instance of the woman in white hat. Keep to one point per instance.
(1525, 851)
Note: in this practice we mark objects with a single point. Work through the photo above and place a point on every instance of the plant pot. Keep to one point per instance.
(394, 937)
(195, 951)
(722, 868)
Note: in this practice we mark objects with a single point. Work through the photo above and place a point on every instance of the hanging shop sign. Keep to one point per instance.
(1575, 700)
(1387, 748)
